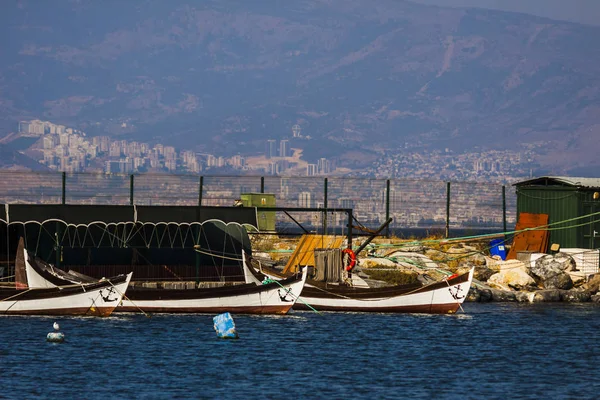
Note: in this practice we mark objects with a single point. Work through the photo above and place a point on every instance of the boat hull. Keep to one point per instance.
(98, 299)
(272, 298)
(444, 297)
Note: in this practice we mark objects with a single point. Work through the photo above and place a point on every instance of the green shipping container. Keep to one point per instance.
(266, 219)
(571, 204)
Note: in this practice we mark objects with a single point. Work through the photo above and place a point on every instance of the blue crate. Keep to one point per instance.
(497, 248)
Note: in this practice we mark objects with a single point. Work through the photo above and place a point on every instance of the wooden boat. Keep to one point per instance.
(443, 297)
(276, 297)
(45, 293)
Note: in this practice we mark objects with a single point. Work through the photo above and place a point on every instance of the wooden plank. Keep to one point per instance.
(304, 253)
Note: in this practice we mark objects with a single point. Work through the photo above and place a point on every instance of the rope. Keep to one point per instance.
(217, 255)
(269, 280)
(127, 298)
(457, 302)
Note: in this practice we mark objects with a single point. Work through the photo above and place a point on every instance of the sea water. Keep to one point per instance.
(491, 351)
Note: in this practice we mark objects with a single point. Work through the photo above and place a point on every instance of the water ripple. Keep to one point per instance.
(492, 351)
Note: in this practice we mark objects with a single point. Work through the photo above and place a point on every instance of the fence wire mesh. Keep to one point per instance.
(411, 203)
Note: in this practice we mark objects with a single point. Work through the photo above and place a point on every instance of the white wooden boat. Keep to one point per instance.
(45, 294)
(276, 297)
(443, 297)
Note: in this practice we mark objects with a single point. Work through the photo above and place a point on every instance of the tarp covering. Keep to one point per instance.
(85, 214)
(156, 242)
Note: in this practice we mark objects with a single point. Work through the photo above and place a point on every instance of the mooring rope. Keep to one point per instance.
(269, 280)
(127, 298)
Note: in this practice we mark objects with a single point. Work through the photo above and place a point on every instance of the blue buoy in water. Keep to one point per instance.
(56, 336)
(224, 326)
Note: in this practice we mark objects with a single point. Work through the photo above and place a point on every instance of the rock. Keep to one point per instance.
(524, 297)
(575, 296)
(516, 278)
(595, 298)
(503, 295)
(593, 283)
(561, 281)
(546, 295)
(551, 265)
(578, 278)
(483, 273)
(499, 265)
(479, 295)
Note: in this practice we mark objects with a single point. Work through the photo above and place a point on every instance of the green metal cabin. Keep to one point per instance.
(570, 204)
(266, 219)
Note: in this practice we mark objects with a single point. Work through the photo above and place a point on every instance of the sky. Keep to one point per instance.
(581, 11)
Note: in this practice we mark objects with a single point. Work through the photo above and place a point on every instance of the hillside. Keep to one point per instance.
(355, 75)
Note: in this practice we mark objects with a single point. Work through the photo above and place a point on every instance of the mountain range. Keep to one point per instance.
(362, 78)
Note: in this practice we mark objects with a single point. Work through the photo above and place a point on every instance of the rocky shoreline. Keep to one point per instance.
(535, 278)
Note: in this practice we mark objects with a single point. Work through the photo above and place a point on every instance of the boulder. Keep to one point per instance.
(500, 265)
(575, 296)
(503, 295)
(593, 283)
(524, 297)
(561, 281)
(516, 278)
(551, 265)
(483, 273)
(595, 298)
(577, 277)
(479, 295)
(546, 295)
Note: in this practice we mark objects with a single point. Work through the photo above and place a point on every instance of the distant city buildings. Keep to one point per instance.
(70, 150)
(271, 150)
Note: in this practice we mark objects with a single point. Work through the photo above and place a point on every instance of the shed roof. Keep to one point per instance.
(591, 183)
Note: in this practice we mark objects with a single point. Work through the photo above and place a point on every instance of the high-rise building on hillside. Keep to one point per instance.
(271, 150)
(283, 148)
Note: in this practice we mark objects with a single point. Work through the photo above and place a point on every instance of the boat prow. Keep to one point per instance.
(46, 297)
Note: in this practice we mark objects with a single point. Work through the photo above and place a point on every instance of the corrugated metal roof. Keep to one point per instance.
(562, 180)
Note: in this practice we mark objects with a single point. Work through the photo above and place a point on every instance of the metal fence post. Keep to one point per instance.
(131, 190)
(262, 184)
(447, 209)
(504, 208)
(201, 185)
(325, 206)
(387, 206)
(64, 187)
(350, 228)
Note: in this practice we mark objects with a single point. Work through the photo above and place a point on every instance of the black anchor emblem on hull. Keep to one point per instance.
(111, 291)
(455, 294)
(285, 294)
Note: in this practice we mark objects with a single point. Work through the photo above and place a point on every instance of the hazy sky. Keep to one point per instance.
(582, 11)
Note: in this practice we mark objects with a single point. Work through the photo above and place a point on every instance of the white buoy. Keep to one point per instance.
(55, 337)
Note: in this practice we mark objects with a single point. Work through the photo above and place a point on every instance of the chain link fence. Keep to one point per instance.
(413, 204)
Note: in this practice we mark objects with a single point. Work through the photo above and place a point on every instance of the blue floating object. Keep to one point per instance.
(225, 326)
(55, 337)
(497, 248)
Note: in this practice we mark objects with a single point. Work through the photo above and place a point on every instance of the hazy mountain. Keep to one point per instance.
(224, 76)
(11, 159)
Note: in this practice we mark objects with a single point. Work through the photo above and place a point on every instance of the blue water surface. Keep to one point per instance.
(491, 351)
